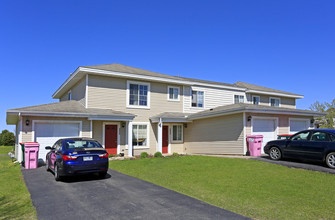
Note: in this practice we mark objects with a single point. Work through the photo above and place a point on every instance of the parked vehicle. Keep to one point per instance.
(315, 144)
(73, 156)
(283, 136)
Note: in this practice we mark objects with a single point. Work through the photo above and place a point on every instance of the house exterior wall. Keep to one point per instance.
(78, 92)
(213, 97)
(265, 100)
(27, 135)
(217, 135)
(283, 121)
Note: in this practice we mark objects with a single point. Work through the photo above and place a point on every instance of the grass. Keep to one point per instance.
(6, 149)
(15, 200)
(251, 188)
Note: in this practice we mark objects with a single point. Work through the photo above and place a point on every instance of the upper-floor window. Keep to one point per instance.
(197, 99)
(255, 100)
(275, 102)
(238, 99)
(138, 94)
(69, 96)
(173, 93)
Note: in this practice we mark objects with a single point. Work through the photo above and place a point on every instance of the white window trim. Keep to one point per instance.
(274, 98)
(239, 96)
(128, 94)
(182, 134)
(118, 134)
(148, 137)
(298, 119)
(259, 101)
(196, 107)
(55, 121)
(168, 93)
(69, 94)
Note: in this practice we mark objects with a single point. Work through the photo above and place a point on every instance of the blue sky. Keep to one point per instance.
(286, 45)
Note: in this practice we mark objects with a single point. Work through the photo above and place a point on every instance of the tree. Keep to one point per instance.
(329, 108)
(7, 138)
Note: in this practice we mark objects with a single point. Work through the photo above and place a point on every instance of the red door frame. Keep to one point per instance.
(111, 138)
(165, 139)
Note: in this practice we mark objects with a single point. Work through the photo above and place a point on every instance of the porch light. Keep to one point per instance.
(249, 118)
(123, 124)
(185, 125)
(312, 120)
(27, 122)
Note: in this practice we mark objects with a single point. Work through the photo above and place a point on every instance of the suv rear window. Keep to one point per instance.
(74, 144)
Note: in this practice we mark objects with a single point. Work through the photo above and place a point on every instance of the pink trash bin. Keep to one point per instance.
(255, 144)
(31, 155)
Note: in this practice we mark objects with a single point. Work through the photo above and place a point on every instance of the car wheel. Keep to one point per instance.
(56, 171)
(102, 175)
(275, 153)
(47, 165)
(330, 160)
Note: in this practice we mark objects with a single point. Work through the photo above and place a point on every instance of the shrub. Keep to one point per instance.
(144, 155)
(175, 154)
(158, 154)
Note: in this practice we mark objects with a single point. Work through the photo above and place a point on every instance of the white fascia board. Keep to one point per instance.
(138, 76)
(170, 120)
(275, 94)
(111, 118)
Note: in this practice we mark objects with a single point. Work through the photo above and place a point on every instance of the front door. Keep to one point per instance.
(165, 139)
(111, 139)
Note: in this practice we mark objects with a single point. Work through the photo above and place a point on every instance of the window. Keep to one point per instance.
(138, 95)
(238, 99)
(255, 100)
(274, 102)
(301, 136)
(140, 133)
(198, 99)
(173, 93)
(177, 133)
(320, 136)
(69, 96)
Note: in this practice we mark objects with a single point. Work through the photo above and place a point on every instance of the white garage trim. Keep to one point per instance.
(118, 134)
(275, 119)
(54, 121)
(307, 121)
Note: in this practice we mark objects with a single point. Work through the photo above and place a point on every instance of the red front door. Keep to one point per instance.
(111, 139)
(165, 139)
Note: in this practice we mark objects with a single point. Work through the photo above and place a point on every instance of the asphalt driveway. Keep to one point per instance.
(118, 196)
(307, 165)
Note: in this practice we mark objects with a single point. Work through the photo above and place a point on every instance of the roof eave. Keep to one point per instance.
(296, 96)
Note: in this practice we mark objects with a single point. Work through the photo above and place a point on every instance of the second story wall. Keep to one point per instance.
(265, 100)
(213, 97)
(111, 93)
(78, 92)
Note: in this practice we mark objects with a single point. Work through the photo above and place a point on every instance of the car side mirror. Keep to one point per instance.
(48, 148)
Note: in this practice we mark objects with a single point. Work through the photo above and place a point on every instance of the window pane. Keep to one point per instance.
(274, 102)
(255, 100)
(177, 132)
(174, 130)
(170, 93)
(194, 98)
(236, 99)
(175, 93)
(200, 99)
(320, 136)
(241, 99)
(300, 136)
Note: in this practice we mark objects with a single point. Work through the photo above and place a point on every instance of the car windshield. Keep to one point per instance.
(73, 144)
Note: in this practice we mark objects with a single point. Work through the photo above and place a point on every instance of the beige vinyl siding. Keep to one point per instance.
(217, 135)
(177, 148)
(27, 130)
(265, 100)
(283, 122)
(78, 92)
(213, 97)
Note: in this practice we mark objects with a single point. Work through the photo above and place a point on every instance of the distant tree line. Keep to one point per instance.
(326, 107)
(7, 138)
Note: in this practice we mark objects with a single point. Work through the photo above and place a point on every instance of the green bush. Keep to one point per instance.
(175, 154)
(158, 154)
(144, 155)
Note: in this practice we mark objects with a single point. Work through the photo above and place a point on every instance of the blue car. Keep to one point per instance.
(73, 156)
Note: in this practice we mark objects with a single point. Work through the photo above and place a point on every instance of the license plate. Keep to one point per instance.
(87, 158)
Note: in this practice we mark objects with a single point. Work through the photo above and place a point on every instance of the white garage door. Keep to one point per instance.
(265, 127)
(46, 134)
(297, 125)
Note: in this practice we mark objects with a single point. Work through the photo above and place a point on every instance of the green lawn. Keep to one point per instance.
(15, 200)
(5, 149)
(251, 188)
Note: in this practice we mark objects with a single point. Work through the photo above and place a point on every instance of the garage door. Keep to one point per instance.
(265, 127)
(46, 134)
(298, 125)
